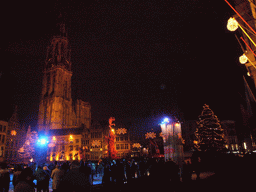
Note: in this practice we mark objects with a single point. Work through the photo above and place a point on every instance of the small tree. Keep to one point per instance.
(27, 151)
(209, 134)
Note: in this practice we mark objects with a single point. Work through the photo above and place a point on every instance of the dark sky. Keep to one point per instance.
(129, 58)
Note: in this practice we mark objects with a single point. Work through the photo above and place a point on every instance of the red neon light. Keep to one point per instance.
(248, 46)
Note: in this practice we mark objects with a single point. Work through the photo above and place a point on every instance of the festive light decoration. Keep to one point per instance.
(243, 59)
(27, 151)
(96, 143)
(136, 145)
(232, 24)
(150, 135)
(121, 131)
(209, 134)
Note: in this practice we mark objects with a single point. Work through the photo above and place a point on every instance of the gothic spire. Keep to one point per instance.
(61, 28)
(58, 53)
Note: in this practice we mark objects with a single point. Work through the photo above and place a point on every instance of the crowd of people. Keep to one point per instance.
(78, 176)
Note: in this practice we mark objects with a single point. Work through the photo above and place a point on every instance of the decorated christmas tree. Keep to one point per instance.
(27, 151)
(209, 134)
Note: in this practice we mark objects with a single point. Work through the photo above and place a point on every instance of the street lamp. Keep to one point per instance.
(232, 24)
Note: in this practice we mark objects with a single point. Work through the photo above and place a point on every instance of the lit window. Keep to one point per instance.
(13, 133)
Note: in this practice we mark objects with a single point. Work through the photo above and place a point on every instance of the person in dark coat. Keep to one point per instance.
(47, 179)
(74, 180)
(106, 175)
(4, 178)
(187, 171)
(26, 181)
(41, 178)
(16, 175)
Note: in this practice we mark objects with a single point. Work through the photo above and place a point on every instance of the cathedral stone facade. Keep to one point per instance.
(56, 108)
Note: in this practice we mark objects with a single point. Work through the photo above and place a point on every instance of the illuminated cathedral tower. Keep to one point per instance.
(56, 110)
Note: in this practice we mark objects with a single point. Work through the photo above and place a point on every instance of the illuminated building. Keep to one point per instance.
(3, 131)
(172, 138)
(230, 135)
(15, 135)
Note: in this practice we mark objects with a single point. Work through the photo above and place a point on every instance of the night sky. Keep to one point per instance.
(130, 59)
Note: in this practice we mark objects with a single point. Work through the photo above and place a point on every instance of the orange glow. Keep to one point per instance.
(71, 137)
(51, 158)
(13, 133)
(177, 124)
(67, 157)
(57, 157)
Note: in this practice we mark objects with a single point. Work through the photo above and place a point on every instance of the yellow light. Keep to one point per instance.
(54, 138)
(57, 157)
(70, 137)
(248, 74)
(74, 158)
(243, 59)
(245, 146)
(67, 158)
(232, 24)
(177, 124)
(51, 158)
